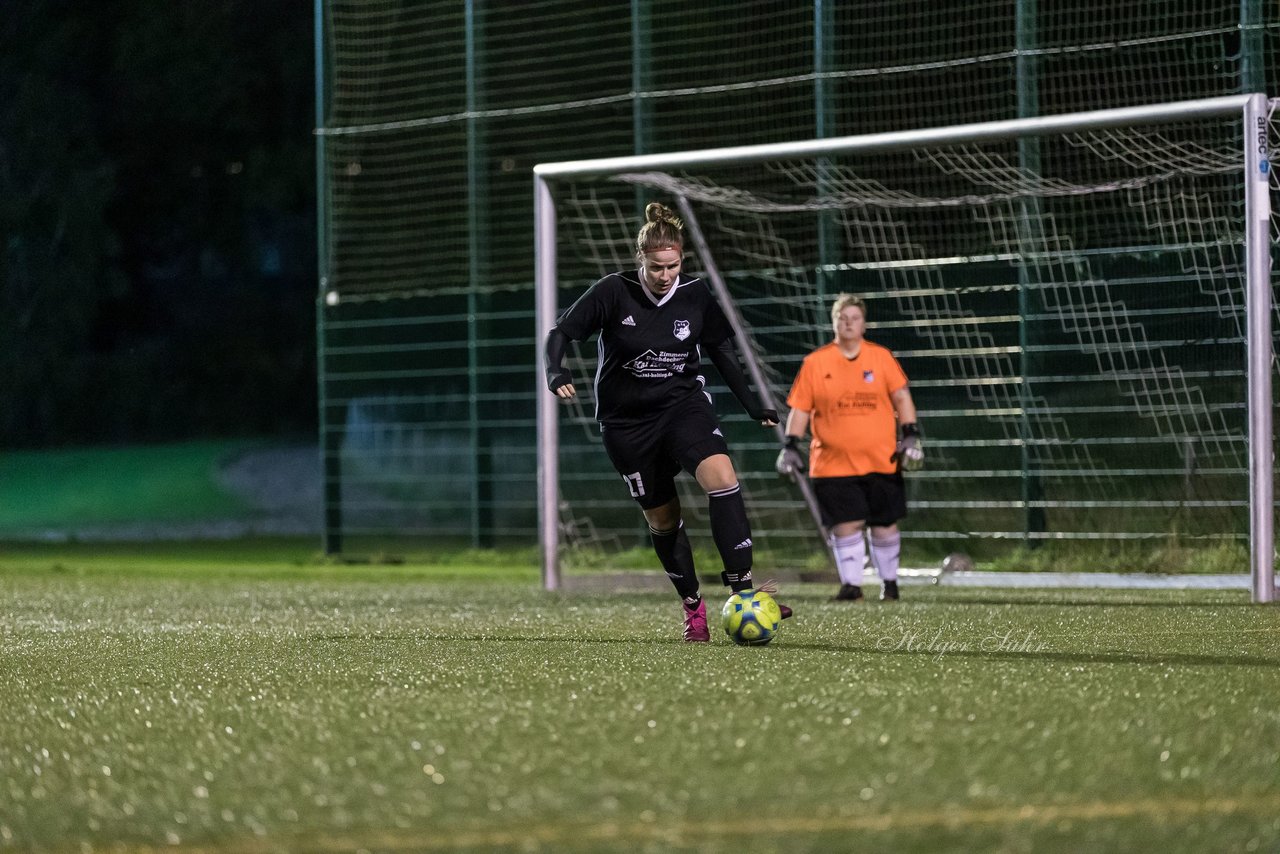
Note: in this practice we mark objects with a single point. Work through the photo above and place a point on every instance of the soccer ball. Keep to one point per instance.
(751, 618)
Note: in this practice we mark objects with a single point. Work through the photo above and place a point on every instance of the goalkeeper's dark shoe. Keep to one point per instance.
(889, 592)
(847, 593)
(695, 623)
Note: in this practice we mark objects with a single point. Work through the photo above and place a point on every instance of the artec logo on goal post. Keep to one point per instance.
(1264, 163)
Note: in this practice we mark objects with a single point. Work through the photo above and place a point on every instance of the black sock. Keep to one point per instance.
(732, 533)
(676, 555)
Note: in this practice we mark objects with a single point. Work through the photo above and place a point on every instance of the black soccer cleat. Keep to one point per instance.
(889, 592)
(785, 611)
(847, 593)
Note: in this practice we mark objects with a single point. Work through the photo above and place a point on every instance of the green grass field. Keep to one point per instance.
(101, 486)
(230, 701)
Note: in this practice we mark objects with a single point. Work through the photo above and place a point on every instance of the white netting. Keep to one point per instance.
(1069, 307)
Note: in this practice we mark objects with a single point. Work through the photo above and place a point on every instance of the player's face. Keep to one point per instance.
(850, 325)
(661, 268)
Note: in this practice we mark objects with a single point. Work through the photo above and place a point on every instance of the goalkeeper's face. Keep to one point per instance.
(661, 269)
(850, 325)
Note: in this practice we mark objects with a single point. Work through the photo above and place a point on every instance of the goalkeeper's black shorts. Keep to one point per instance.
(650, 455)
(877, 499)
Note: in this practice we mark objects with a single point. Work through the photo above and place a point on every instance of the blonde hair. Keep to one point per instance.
(843, 301)
(662, 230)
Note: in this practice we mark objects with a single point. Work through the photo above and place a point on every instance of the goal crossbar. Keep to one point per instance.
(1253, 110)
(1120, 117)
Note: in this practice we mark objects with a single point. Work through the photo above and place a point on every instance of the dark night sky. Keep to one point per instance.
(157, 203)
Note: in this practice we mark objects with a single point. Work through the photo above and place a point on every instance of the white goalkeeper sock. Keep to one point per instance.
(851, 558)
(885, 551)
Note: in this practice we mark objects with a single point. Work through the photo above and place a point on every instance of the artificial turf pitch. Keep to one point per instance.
(401, 709)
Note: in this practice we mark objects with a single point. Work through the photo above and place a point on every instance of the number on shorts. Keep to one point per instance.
(635, 484)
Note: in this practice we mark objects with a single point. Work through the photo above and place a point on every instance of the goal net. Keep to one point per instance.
(1071, 298)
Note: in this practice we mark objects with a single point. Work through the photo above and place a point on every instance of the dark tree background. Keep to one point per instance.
(157, 220)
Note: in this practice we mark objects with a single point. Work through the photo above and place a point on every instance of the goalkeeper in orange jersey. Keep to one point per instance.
(852, 395)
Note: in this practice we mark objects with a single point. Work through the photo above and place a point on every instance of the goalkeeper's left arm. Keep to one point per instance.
(910, 450)
(792, 460)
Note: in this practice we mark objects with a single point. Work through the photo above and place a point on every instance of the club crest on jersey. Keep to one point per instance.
(868, 376)
(682, 329)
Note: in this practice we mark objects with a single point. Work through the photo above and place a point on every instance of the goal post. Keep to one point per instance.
(1257, 168)
(1149, 222)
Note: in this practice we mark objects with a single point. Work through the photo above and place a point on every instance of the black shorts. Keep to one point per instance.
(877, 499)
(650, 455)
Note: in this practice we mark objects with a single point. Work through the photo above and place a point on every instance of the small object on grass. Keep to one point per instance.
(954, 562)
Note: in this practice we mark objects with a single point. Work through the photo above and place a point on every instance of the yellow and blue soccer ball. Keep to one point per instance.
(751, 618)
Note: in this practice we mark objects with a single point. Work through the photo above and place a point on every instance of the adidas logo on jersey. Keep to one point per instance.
(745, 544)
(716, 432)
(628, 321)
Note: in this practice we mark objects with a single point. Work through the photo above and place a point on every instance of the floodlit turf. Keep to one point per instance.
(94, 486)
(223, 712)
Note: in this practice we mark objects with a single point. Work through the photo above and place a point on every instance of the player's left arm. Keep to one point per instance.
(903, 406)
(725, 357)
(792, 460)
(909, 451)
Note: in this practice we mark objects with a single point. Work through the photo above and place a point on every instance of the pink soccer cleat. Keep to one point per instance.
(695, 624)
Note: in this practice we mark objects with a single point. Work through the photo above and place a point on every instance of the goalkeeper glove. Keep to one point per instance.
(910, 451)
(770, 415)
(791, 460)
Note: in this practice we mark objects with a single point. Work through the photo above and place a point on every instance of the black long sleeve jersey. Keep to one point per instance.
(649, 359)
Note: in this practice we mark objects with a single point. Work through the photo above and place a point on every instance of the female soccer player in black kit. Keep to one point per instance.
(655, 416)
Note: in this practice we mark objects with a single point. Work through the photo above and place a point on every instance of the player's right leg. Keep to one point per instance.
(850, 549)
(886, 497)
(671, 544)
(651, 480)
(843, 507)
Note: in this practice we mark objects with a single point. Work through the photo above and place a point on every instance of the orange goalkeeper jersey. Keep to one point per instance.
(852, 418)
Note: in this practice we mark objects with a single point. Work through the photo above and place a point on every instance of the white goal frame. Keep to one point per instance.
(1252, 107)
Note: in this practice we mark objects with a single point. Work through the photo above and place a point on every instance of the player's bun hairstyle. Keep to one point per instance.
(662, 230)
(843, 301)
